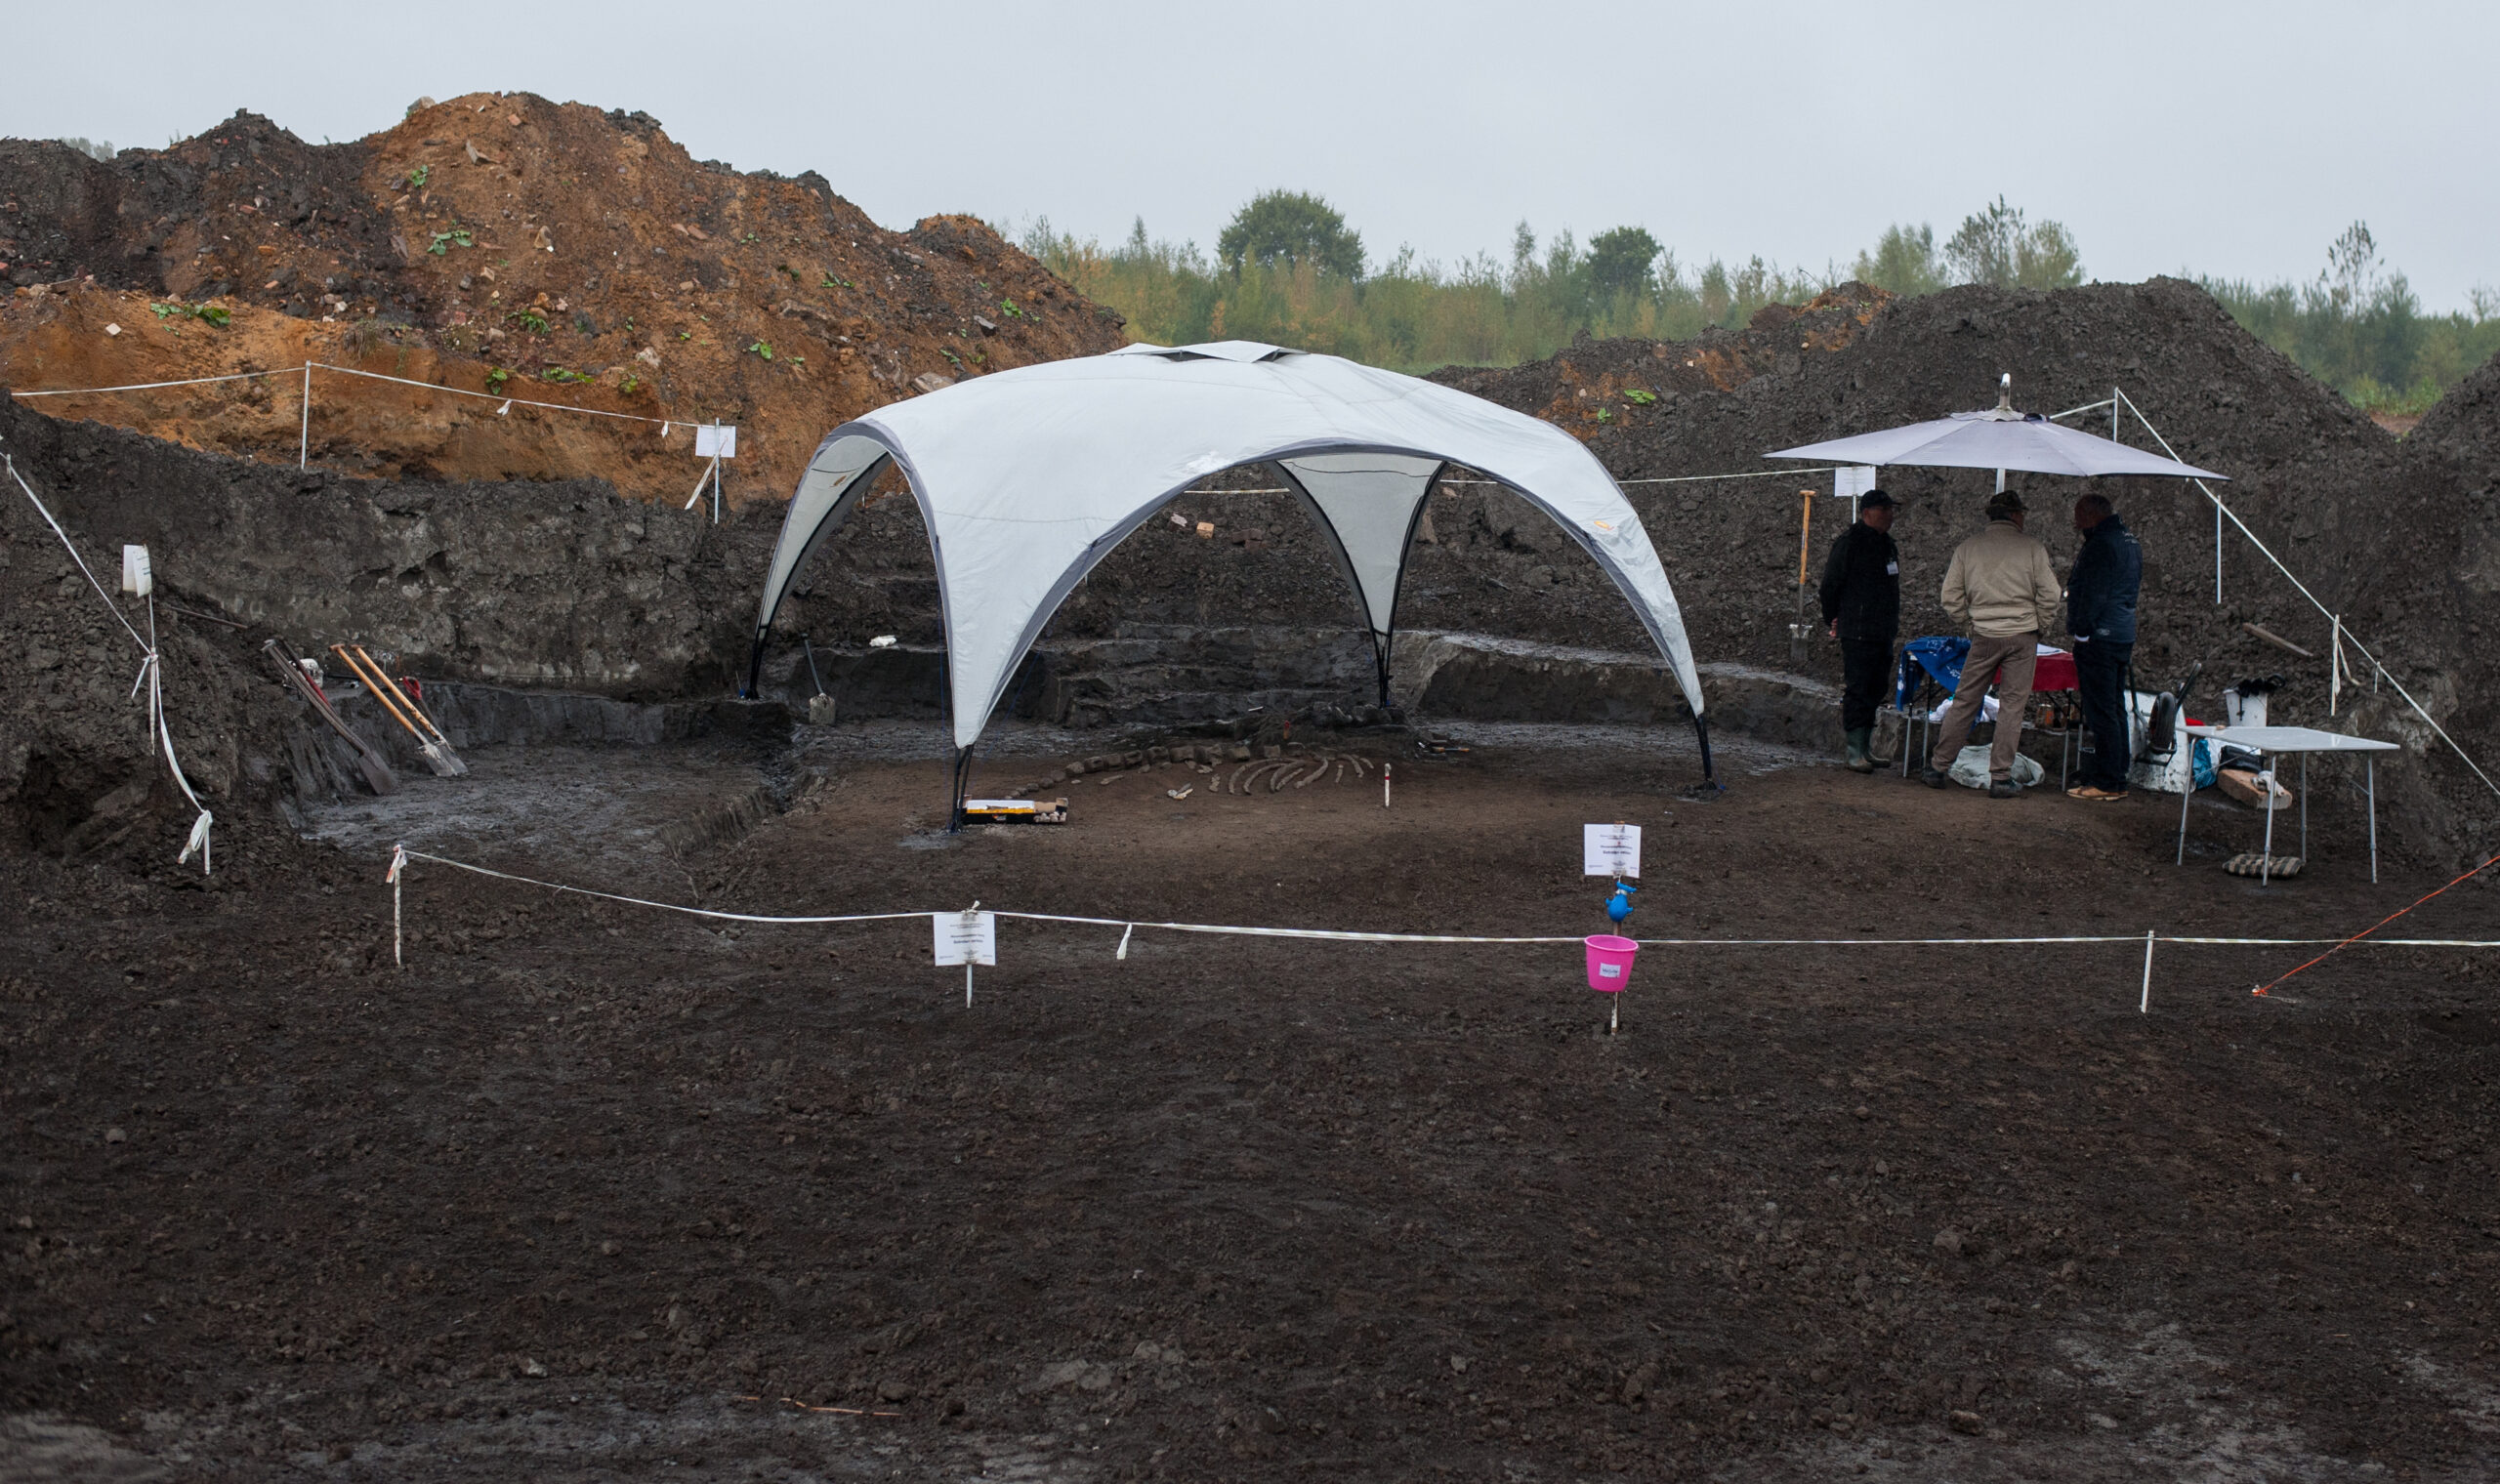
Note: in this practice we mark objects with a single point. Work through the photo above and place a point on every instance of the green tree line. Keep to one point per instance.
(2360, 328)
(1289, 269)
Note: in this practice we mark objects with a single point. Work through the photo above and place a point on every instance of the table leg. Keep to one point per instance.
(2265, 862)
(2304, 806)
(2183, 796)
(2370, 765)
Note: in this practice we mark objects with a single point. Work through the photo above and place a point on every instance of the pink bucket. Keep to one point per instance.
(1609, 961)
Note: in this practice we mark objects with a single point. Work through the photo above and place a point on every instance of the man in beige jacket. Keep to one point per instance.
(2001, 587)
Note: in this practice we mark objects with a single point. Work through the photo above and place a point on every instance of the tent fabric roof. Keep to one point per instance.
(1996, 440)
(1028, 478)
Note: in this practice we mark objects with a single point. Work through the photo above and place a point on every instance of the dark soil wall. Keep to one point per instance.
(565, 585)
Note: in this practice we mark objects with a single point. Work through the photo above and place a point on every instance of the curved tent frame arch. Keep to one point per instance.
(1026, 480)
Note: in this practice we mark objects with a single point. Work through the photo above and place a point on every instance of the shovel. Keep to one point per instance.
(438, 757)
(377, 773)
(419, 711)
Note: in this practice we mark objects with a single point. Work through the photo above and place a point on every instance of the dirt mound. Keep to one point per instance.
(497, 244)
(2377, 530)
(2465, 425)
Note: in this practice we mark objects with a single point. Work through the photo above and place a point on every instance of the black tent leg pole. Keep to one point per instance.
(1380, 662)
(962, 781)
(753, 670)
(1701, 730)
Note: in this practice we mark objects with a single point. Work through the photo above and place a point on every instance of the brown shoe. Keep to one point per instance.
(2094, 794)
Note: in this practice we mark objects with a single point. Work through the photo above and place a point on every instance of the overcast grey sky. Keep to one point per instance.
(2226, 138)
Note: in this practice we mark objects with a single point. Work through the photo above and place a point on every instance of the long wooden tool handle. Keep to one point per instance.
(285, 659)
(383, 691)
(1805, 533)
(414, 709)
(380, 689)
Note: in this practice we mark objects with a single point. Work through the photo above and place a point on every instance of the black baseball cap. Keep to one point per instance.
(1876, 499)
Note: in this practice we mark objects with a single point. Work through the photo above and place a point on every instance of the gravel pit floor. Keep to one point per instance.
(590, 1192)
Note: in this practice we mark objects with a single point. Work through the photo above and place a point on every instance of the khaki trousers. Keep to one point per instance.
(2020, 655)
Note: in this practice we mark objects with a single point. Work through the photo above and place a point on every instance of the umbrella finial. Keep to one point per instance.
(2005, 391)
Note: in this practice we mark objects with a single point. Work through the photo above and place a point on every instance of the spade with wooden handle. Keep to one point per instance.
(438, 757)
(419, 711)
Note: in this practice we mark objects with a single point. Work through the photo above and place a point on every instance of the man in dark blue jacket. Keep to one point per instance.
(2100, 614)
(1861, 596)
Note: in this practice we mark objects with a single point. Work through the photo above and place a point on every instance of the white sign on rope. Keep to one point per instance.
(715, 441)
(1849, 482)
(1611, 849)
(965, 937)
(137, 579)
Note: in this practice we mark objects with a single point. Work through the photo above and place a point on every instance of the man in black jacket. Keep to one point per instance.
(1862, 597)
(2100, 614)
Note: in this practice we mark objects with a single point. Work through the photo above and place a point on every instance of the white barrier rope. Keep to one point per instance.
(152, 675)
(195, 381)
(665, 423)
(519, 401)
(400, 855)
(1761, 474)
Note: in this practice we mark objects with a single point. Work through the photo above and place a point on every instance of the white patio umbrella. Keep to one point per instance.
(1999, 438)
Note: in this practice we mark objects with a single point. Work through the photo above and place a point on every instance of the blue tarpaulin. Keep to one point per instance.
(1933, 656)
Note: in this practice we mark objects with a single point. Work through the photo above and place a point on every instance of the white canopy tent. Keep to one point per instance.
(1027, 479)
(1999, 438)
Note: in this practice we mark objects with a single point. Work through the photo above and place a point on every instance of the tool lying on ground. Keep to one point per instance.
(1016, 810)
(377, 772)
(438, 753)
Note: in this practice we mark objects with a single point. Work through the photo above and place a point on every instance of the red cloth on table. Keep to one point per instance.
(2052, 671)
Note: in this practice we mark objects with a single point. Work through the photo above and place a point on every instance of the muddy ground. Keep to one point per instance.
(590, 1192)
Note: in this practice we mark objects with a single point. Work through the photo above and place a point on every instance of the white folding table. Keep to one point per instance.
(2269, 742)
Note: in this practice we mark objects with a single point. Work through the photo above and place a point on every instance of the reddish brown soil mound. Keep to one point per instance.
(582, 254)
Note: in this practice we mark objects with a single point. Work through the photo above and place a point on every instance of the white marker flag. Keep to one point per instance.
(1851, 480)
(1611, 849)
(135, 577)
(714, 440)
(965, 937)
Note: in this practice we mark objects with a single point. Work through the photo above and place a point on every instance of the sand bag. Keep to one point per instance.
(1971, 768)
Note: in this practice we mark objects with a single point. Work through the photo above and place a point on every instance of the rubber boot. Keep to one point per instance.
(1860, 740)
